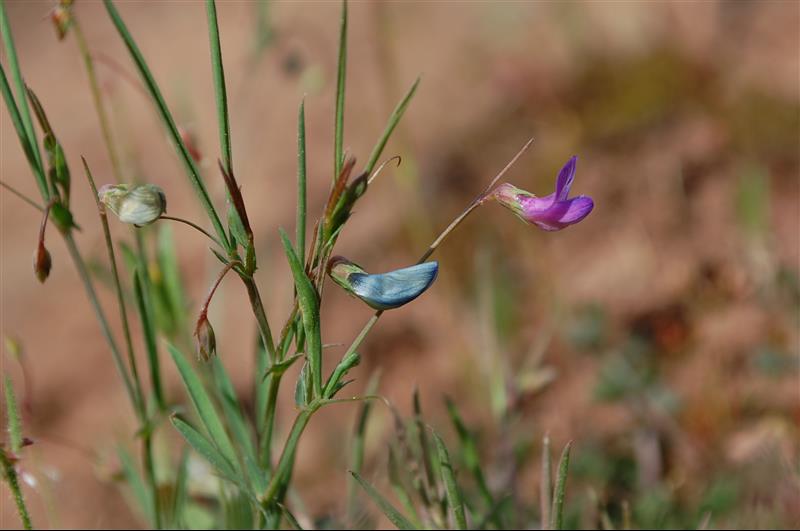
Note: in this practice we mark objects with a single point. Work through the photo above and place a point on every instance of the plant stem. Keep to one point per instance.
(94, 86)
(191, 167)
(260, 315)
(83, 272)
(277, 484)
(194, 226)
(22, 196)
(478, 201)
(118, 288)
(11, 477)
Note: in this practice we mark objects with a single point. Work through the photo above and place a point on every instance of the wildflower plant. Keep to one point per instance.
(238, 445)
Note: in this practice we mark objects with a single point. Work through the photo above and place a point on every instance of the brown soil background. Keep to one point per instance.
(663, 171)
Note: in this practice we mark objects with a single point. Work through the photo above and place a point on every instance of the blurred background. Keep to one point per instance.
(661, 335)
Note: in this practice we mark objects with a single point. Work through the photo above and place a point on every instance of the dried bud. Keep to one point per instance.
(384, 291)
(138, 204)
(206, 341)
(62, 19)
(42, 263)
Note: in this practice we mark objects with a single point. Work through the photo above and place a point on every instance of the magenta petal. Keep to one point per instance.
(561, 214)
(565, 178)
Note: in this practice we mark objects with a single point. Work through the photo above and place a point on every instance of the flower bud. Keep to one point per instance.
(138, 204)
(206, 341)
(384, 291)
(42, 263)
(61, 18)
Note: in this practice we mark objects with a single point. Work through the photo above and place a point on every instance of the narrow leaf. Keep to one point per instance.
(300, 236)
(191, 167)
(394, 516)
(394, 119)
(205, 409)
(309, 306)
(136, 483)
(149, 332)
(204, 447)
(16, 74)
(546, 488)
(341, 74)
(449, 478)
(469, 449)
(359, 439)
(557, 515)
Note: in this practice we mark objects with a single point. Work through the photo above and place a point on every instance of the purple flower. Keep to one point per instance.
(551, 212)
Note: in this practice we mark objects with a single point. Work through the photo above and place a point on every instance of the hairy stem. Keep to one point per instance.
(11, 477)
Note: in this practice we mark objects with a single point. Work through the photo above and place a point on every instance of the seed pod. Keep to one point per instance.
(138, 204)
(383, 291)
(42, 263)
(206, 340)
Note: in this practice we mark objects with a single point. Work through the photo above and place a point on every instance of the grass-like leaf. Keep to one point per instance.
(223, 119)
(293, 523)
(236, 421)
(300, 236)
(19, 83)
(451, 487)
(204, 447)
(469, 451)
(58, 171)
(171, 283)
(358, 444)
(546, 489)
(341, 77)
(557, 513)
(394, 119)
(394, 516)
(152, 87)
(205, 409)
(136, 483)
(309, 306)
(19, 127)
(401, 485)
(149, 332)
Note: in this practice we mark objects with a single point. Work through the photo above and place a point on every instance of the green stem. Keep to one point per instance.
(10, 474)
(150, 472)
(22, 196)
(83, 272)
(261, 316)
(194, 226)
(191, 167)
(120, 298)
(273, 384)
(277, 485)
(94, 86)
(478, 201)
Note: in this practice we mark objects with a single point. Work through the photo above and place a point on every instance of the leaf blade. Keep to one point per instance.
(394, 516)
